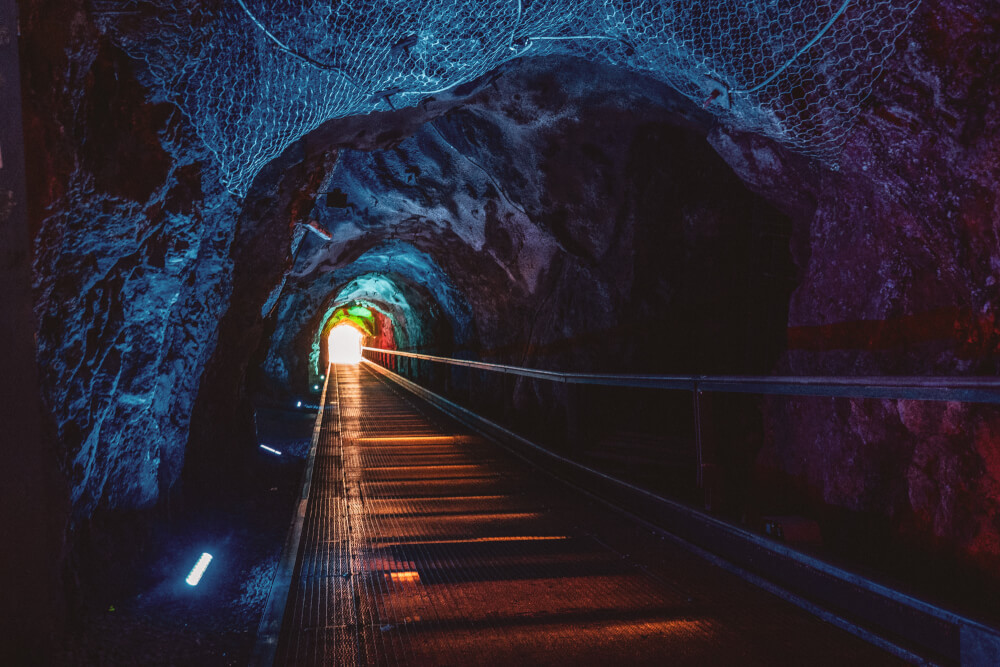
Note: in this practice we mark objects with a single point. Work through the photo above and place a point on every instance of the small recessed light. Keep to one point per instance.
(199, 569)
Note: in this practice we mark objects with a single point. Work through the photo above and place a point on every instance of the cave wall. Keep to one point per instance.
(553, 213)
(142, 262)
(556, 224)
(149, 279)
(132, 237)
(141, 259)
(899, 257)
(33, 494)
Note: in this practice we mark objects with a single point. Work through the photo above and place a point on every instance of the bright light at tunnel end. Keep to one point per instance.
(199, 569)
(344, 345)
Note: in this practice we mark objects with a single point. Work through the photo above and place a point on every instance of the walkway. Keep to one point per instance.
(426, 544)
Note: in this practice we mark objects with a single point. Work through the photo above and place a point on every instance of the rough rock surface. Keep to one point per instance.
(131, 268)
(554, 213)
(551, 222)
(899, 257)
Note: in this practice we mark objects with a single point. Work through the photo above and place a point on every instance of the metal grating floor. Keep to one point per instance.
(424, 544)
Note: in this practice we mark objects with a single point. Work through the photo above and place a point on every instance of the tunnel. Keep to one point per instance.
(666, 332)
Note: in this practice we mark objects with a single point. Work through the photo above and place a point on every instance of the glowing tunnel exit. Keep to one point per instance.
(344, 344)
(344, 325)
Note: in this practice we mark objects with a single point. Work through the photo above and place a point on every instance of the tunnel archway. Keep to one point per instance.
(390, 310)
(372, 320)
(357, 314)
(416, 295)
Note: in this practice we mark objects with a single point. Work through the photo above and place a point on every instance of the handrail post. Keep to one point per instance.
(572, 415)
(699, 453)
(507, 399)
(708, 479)
(447, 379)
(472, 372)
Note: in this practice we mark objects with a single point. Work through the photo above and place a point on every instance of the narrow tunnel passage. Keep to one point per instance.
(425, 543)
(196, 207)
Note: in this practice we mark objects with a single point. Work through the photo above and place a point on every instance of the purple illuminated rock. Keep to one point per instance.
(899, 254)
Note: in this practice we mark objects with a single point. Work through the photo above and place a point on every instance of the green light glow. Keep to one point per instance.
(360, 311)
(358, 316)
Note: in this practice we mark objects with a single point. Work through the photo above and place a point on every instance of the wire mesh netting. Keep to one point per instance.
(252, 76)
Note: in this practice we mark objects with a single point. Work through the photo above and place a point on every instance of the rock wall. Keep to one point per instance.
(553, 213)
(899, 257)
(133, 233)
(33, 495)
(554, 223)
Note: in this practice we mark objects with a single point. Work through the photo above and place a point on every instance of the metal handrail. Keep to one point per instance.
(979, 389)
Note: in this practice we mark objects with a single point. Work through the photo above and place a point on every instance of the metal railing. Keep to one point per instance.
(959, 389)
(799, 565)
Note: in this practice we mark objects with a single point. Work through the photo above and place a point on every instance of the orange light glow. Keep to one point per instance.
(423, 439)
(404, 576)
(344, 345)
(476, 540)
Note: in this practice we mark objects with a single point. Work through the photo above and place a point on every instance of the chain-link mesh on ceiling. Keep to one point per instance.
(255, 75)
